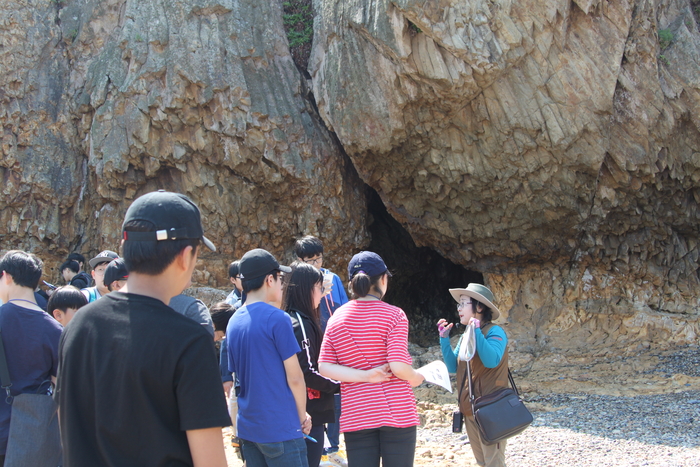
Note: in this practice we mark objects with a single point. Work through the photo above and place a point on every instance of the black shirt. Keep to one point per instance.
(133, 376)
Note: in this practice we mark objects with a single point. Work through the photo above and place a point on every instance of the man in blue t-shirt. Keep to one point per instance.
(30, 336)
(262, 351)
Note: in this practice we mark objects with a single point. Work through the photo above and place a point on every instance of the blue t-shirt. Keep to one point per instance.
(30, 338)
(260, 338)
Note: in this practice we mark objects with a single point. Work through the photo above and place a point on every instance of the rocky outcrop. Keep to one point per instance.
(553, 146)
(549, 148)
(110, 99)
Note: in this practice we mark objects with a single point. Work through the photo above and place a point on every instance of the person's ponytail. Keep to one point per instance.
(361, 284)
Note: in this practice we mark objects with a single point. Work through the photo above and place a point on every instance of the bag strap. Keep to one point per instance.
(5, 372)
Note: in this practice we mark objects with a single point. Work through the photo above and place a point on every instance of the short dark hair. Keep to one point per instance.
(76, 257)
(152, 258)
(250, 285)
(361, 283)
(299, 290)
(65, 297)
(308, 247)
(70, 264)
(25, 268)
(486, 314)
(220, 314)
(234, 269)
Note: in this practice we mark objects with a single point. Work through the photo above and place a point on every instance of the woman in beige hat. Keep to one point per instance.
(489, 366)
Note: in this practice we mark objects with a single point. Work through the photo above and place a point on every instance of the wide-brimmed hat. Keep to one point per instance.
(478, 292)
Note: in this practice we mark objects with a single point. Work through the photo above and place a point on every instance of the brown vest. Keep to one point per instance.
(484, 380)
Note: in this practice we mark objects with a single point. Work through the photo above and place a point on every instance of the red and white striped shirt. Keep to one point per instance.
(365, 335)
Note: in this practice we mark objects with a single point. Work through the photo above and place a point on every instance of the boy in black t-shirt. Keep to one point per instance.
(138, 381)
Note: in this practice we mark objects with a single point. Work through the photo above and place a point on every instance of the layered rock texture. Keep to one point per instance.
(550, 148)
(105, 100)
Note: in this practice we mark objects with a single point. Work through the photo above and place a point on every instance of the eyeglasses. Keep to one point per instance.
(463, 304)
(321, 288)
(313, 261)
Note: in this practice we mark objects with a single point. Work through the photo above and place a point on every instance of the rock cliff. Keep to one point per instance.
(552, 146)
(550, 149)
(105, 100)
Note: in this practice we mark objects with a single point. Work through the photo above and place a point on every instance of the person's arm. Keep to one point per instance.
(407, 373)
(449, 355)
(307, 359)
(347, 374)
(207, 447)
(295, 380)
(491, 347)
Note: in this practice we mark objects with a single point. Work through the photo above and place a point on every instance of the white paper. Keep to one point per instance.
(436, 373)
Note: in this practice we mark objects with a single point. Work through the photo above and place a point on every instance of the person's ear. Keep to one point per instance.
(186, 256)
(57, 314)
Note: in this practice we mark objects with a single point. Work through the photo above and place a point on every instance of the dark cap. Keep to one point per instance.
(174, 216)
(115, 271)
(368, 262)
(103, 257)
(257, 263)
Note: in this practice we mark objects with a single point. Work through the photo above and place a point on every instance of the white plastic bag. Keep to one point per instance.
(467, 347)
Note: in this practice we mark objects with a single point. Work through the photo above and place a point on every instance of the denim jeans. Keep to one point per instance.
(333, 429)
(290, 453)
(394, 446)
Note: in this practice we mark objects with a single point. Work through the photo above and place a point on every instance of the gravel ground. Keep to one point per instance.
(659, 428)
(585, 430)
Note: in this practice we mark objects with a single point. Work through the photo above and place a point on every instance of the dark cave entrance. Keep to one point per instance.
(421, 277)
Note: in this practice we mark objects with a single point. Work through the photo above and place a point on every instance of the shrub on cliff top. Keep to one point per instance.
(298, 20)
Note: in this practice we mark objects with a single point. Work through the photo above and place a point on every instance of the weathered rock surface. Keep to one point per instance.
(105, 100)
(550, 148)
(553, 146)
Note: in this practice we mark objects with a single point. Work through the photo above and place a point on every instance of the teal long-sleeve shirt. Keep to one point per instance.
(490, 348)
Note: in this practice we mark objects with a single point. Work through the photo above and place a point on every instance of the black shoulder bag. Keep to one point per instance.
(501, 414)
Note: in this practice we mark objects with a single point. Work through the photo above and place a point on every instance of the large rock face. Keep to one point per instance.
(110, 99)
(550, 148)
(553, 146)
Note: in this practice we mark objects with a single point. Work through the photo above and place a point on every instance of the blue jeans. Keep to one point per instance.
(290, 453)
(333, 429)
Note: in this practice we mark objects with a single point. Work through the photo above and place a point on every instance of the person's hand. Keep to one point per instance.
(306, 425)
(227, 388)
(379, 374)
(444, 327)
(475, 322)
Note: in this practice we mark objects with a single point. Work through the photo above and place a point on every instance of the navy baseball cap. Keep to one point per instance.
(367, 262)
(257, 263)
(174, 216)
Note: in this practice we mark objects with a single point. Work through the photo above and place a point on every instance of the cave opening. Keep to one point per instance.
(421, 276)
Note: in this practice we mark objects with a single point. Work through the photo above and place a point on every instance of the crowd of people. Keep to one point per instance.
(133, 368)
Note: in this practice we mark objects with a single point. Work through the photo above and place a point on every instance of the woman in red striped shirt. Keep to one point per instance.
(366, 348)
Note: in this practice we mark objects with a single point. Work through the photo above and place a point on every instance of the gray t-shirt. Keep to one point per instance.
(194, 309)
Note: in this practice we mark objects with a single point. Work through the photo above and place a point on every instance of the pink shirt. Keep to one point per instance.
(364, 335)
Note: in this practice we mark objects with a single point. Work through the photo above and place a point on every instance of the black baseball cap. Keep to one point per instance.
(174, 216)
(115, 271)
(257, 263)
(103, 257)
